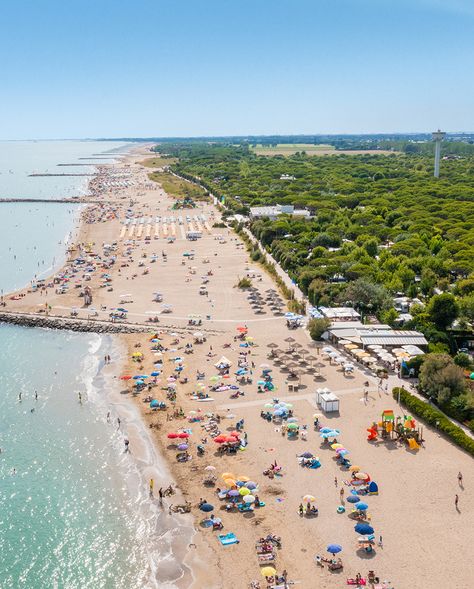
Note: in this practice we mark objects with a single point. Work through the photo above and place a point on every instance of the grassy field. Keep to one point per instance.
(158, 162)
(320, 149)
(177, 188)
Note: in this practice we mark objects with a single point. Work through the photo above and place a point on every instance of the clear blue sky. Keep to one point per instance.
(94, 68)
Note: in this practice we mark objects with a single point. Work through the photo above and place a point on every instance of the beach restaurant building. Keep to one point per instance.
(375, 335)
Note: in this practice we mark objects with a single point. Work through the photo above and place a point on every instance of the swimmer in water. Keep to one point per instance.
(19, 396)
(80, 398)
(36, 395)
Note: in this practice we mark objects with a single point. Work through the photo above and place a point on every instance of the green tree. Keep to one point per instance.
(443, 310)
(365, 294)
(440, 378)
(317, 327)
(463, 360)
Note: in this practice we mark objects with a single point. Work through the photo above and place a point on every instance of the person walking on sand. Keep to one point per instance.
(456, 500)
(335, 481)
(460, 478)
(341, 494)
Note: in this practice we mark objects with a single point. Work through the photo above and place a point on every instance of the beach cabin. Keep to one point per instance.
(329, 402)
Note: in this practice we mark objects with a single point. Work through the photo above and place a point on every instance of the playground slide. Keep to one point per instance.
(413, 444)
(372, 433)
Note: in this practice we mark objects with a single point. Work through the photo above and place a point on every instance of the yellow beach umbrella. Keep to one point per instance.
(230, 482)
(336, 446)
(244, 479)
(244, 491)
(228, 475)
(268, 572)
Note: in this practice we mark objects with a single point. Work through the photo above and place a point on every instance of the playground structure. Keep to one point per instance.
(186, 203)
(401, 428)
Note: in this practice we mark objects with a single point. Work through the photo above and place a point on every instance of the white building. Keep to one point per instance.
(272, 212)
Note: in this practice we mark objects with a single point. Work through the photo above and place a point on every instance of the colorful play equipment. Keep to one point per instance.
(373, 433)
(391, 427)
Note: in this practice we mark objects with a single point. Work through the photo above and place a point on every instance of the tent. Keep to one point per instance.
(373, 488)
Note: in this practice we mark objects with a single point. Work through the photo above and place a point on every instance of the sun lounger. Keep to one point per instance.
(227, 539)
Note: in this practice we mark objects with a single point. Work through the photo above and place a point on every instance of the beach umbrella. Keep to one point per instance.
(231, 439)
(233, 493)
(306, 455)
(210, 468)
(364, 529)
(361, 506)
(172, 436)
(139, 382)
(155, 373)
(219, 439)
(354, 468)
(336, 446)
(183, 435)
(308, 498)
(292, 420)
(244, 491)
(362, 476)
(125, 377)
(325, 430)
(243, 479)
(353, 499)
(137, 377)
(207, 507)
(228, 475)
(293, 426)
(154, 404)
(230, 482)
(334, 548)
(251, 485)
(249, 499)
(268, 572)
(183, 447)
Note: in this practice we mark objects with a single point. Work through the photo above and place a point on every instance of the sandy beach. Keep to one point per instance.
(426, 541)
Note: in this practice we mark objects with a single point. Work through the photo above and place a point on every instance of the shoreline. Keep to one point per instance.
(223, 255)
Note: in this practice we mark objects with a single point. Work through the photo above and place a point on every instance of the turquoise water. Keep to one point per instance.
(73, 507)
(33, 236)
(67, 517)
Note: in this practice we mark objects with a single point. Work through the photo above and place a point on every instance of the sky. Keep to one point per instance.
(142, 68)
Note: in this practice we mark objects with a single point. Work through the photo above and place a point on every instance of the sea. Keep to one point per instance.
(74, 506)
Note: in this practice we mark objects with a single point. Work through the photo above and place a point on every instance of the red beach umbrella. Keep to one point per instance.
(172, 436)
(125, 377)
(235, 434)
(220, 439)
(231, 439)
(183, 435)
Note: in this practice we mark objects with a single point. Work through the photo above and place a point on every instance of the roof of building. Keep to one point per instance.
(391, 337)
(339, 312)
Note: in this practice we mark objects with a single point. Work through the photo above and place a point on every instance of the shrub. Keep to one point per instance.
(434, 417)
(244, 283)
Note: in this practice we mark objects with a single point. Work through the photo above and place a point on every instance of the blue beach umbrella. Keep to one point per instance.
(364, 529)
(361, 506)
(353, 499)
(334, 548)
(325, 430)
(136, 377)
(154, 404)
(139, 382)
(155, 373)
(206, 507)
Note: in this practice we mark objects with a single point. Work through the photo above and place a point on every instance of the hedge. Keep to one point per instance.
(434, 417)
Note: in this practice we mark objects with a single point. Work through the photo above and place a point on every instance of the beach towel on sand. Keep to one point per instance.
(226, 539)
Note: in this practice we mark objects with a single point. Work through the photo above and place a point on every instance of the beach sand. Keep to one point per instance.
(426, 541)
